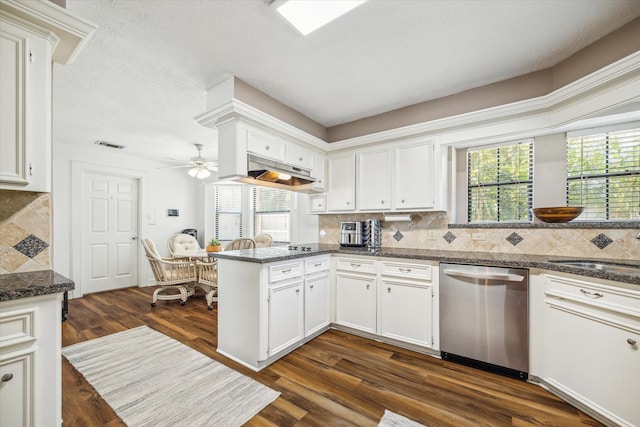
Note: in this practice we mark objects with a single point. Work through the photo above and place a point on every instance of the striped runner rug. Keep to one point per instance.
(150, 379)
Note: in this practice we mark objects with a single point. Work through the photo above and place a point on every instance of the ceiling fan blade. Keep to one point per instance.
(175, 167)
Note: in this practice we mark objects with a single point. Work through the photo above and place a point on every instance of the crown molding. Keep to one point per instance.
(72, 31)
(612, 86)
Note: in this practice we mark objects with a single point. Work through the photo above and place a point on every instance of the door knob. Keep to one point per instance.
(134, 238)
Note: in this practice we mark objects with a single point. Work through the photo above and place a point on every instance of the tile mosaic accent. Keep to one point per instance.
(449, 237)
(514, 238)
(602, 240)
(31, 246)
(398, 236)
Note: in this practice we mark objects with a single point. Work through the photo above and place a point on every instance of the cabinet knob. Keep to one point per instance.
(368, 286)
(267, 147)
(382, 202)
(631, 341)
(348, 203)
(310, 286)
(389, 290)
(300, 159)
(298, 291)
(7, 377)
(402, 201)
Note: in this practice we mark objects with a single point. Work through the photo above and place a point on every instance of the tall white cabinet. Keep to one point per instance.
(32, 36)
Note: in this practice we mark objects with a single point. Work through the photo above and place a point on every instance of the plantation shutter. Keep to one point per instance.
(500, 181)
(603, 173)
(228, 211)
(272, 213)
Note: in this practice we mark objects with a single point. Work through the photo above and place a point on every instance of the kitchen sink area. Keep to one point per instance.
(609, 267)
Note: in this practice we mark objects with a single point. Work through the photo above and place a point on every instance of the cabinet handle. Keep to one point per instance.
(592, 294)
(382, 202)
(402, 201)
(310, 286)
(317, 265)
(267, 148)
(300, 159)
(389, 290)
(348, 203)
(354, 265)
(298, 291)
(404, 270)
(7, 377)
(631, 341)
(368, 286)
(288, 270)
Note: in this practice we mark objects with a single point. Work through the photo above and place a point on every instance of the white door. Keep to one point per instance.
(286, 315)
(110, 232)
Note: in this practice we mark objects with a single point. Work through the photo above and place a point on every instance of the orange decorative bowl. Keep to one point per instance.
(557, 214)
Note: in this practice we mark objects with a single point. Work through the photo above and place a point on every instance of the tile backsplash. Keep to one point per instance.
(429, 230)
(25, 231)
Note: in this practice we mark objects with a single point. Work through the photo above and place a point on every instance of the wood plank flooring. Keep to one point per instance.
(335, 380)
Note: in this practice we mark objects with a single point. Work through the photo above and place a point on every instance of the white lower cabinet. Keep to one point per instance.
(286, 315)
(592, 348)
(406, 312)
(30, 362)
(356, 301)
(317, 300)
(392, 299)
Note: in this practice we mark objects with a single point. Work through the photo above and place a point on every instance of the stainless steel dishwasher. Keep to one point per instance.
(484, 317)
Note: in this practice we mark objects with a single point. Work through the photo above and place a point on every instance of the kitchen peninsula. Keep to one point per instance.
(273, 300)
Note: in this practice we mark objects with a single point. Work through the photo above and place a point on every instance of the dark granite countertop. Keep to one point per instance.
(23, 285)
(282, 253)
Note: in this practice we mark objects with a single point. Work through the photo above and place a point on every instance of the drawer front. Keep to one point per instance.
(355, 265)
(284, 271)
(411, 271)
(299, 156)
(317, 265)
(16, 327)
(595, 294)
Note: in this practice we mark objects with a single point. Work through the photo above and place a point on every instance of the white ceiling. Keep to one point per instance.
(144, 75)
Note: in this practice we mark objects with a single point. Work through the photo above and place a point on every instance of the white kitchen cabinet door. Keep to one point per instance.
(286, 315)
(265, 145)
(16, 390)
(414, 176)
(342, 183)
(374, 180)
(319, 173)
(317, 309)
(595, 360)
(25, 109)
(356, 302)
(298, 155)
(406, 312)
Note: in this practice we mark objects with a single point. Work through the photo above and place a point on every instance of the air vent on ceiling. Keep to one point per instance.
(109, 144)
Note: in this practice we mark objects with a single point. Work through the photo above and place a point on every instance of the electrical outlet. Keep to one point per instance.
(431, 234)
(478, 236)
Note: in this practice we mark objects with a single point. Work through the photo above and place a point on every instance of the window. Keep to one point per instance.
(271, 213)
(500, 181)
(603, 174)
(228, 211)
(241, 210)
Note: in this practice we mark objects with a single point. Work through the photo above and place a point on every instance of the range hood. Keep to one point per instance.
(270, 171)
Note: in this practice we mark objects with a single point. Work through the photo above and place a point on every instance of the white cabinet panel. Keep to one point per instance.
(414, 176)
(341, 189)
(374, 180)
(406, 312)
(16, 390)
(317, 309)
(265, 145)
(356, 302)
(297, 155)
(286, 315)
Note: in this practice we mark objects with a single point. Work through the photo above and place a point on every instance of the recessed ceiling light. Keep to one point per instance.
(309, 15)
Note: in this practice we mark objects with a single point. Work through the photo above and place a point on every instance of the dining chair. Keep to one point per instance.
(183, 244)
(208, 279)
(263, 240)
(170, 274)
(241, 243)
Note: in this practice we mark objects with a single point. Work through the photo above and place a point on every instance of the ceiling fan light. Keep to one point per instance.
(203, 173)
(193, 172)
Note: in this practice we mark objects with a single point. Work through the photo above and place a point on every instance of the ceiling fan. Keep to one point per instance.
(201, 168)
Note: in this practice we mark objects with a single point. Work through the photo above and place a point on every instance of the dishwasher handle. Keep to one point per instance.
(485, 276)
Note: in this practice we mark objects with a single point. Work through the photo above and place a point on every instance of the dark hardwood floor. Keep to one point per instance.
(335, 380)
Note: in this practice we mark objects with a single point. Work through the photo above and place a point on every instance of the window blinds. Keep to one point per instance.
(500, 180)
(228, 211)
(603, 175)
(271, 213)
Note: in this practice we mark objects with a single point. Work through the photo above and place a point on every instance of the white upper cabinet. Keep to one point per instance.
(33, 34)
(265, 145)
(25, 109)
(414, 176)
(298, 155)
(374, 180)
(342, 183)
